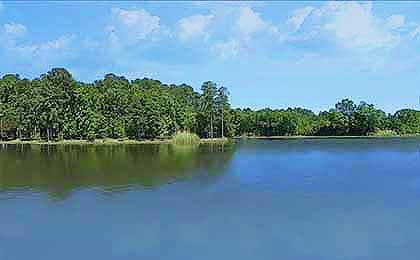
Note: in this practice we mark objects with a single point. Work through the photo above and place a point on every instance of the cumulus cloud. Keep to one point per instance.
(249, 21)
(131, 25)
(249, 31)
(356, 26)
(351, 24)
(226, 49)
(194, 26)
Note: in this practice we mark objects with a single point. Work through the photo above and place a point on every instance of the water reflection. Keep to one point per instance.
(334, 145)
(59, 170)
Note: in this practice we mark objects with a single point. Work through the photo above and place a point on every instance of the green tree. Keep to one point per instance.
(406, 121)
(366, 119)
(208, 105)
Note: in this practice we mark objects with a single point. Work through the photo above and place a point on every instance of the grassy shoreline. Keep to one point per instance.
(107, 141)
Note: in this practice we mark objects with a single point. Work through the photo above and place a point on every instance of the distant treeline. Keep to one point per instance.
(55, 106)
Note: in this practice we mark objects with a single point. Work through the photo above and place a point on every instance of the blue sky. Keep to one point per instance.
(268, 54)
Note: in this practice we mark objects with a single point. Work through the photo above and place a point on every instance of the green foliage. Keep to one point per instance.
(333, 123)
(384, 133)
(406, 121)
(345, 107)
(367, 119)
(91, 137)
(344, 119)
(55, 106)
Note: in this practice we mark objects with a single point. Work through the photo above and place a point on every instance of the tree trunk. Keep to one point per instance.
(1, 128)
(48, 134)
(211, 125)
(222, 124)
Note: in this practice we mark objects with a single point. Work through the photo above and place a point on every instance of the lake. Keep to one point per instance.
(253, 199)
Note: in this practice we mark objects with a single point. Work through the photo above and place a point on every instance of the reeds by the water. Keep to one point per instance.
(185, 138)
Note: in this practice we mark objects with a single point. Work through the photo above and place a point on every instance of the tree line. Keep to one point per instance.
(345, 119)
(55, 107)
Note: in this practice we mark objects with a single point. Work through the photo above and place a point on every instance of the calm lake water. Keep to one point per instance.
(296, 199)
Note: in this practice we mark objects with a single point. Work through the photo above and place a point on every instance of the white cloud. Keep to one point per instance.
(355, 25)
(194, 26)
(14, 30)
(249, 22)
(131, 25)
(395, 21)
(14, 41)
(43, 49)
(249, 32)
(351, 24)
(298, 17)
(138, 18)
(326, 9)
(226, 49)
(11, 33)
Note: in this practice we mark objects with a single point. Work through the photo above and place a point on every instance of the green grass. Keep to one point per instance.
(185, 138)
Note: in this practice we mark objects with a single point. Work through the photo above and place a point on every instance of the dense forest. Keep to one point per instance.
(56, 107)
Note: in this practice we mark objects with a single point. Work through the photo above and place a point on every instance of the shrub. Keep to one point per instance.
(91, 137)
(384, 133)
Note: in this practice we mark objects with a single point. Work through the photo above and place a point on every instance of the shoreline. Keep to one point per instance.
(296, 137)
(107, 141)
(110, 141)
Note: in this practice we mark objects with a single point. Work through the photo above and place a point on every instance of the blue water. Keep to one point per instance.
(296, 199)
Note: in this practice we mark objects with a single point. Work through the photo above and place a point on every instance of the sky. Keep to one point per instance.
(268, 54)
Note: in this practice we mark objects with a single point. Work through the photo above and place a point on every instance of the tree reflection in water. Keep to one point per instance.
(59, 170)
